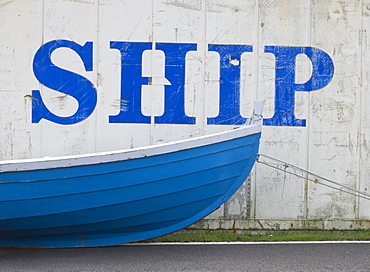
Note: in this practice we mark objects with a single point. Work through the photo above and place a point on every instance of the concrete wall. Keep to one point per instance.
(96, 75)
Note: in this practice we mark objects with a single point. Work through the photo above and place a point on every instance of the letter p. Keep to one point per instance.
(285, 86)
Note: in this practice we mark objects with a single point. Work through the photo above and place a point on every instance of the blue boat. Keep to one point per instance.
(123, 196)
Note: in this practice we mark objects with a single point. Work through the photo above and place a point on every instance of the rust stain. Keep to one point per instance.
(84, 1)
(6, 3)
(193, 5)
(29, 96)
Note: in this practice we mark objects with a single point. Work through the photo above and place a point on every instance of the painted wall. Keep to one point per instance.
(96, 75)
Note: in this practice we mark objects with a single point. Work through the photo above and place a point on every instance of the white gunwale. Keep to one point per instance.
(126, 154)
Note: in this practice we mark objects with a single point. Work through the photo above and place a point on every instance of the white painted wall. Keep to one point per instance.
(333, 144)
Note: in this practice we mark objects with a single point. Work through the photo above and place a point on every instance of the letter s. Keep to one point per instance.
(53, 77)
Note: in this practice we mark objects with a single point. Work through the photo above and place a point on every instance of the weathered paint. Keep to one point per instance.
(161, 70)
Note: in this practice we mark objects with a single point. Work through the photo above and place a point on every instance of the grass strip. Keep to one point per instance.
(264, 236)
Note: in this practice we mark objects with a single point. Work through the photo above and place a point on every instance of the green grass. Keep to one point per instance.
(272, 236)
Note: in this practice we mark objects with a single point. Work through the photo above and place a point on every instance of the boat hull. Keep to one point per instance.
(116, 202)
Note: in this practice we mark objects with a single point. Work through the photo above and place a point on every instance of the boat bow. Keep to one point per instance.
(123, 196)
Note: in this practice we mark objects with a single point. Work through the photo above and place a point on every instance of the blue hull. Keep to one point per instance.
(115, 202)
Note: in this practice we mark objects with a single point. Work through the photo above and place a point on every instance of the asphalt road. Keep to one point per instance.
(230, 257)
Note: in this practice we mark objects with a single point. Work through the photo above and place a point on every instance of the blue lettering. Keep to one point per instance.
(229, 108)
(285, 86)
(131, 82)
(53, 77)
(131, 53)
(174, 111)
